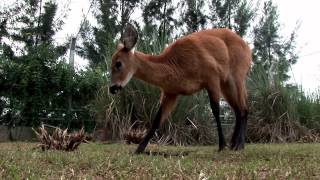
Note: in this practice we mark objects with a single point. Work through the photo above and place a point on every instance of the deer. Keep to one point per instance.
(215, 60)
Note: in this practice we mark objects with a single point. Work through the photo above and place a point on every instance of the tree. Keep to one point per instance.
(100, 41)
(159, 16)
(272, 51)
(193, 17)
(29, 58)
(222, 12)
(233, 14)
(35, 81)
(243, 17)
(127, 7)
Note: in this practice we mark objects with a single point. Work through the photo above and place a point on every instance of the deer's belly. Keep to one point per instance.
(183, 87)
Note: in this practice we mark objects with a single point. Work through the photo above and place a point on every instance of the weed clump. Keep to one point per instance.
(60, 139)
(134, 136)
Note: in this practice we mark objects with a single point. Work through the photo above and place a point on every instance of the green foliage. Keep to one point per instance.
(31, 83)
(308, 109)
(243, 17)
(35, 81)
(271, 50)
(223, 12)
(99, 42)
(237, 15)
(278, 111)
(194, 17)
(159, 16)
(30, 75)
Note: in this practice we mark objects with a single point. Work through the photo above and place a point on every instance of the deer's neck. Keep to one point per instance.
(151, 69)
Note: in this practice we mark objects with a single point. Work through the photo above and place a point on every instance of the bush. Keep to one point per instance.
(308, 109)
(274, 110)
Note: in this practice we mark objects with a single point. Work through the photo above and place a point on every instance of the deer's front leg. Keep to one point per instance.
(168, 102)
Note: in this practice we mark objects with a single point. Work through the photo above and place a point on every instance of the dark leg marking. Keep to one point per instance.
(155, 126)
(216, 112)
(238, 137)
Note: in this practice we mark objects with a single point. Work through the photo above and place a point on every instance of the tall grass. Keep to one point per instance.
(277, 110)
(309, 110)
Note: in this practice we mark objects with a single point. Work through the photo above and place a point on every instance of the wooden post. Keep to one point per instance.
(71, 64)
(71, 55)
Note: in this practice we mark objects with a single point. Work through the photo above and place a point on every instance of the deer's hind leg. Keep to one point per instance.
(234, 91)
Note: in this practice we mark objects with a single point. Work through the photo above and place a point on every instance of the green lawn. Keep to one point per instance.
(101, 161)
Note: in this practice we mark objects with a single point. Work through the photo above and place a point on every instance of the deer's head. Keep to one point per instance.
(123, 63)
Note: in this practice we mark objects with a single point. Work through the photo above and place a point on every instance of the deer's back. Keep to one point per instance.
(196, 58)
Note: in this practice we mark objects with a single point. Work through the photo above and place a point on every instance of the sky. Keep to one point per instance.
(305, 72)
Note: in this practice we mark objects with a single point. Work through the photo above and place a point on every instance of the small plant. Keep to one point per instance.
(134, 136)
(60, 139)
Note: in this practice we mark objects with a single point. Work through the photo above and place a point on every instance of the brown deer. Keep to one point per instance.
(217, 60)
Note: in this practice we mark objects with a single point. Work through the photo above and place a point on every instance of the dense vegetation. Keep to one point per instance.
(38, 85)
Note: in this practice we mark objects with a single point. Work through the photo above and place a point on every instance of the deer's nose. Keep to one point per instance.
(114, 89)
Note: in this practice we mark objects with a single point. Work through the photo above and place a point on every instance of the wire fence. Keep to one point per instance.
(74, 119)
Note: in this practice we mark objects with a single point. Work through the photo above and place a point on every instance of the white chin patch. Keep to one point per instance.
(132, 50)
(125, 82)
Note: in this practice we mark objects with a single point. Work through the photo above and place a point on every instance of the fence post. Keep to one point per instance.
(71, 65)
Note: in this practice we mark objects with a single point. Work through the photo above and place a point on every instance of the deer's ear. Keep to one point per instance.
(120, 46)
(129, 37)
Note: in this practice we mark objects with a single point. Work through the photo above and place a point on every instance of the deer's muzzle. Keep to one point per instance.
(114, 89)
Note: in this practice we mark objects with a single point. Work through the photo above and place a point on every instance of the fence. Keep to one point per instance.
(16, 134)
(78, 119)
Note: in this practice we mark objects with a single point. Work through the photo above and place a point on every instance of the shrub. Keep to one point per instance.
(274, 115)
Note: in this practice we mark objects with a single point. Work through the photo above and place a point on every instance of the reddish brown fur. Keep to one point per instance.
(217, 60)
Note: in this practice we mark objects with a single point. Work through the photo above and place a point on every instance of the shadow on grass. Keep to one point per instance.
(167, 154)
(207, 156)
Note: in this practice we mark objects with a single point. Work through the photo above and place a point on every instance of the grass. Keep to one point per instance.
(116, 161)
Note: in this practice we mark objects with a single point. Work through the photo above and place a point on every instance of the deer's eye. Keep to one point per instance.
(118, 65)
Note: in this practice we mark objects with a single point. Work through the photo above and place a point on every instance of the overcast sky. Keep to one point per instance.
(305, 72)
(307, 69)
